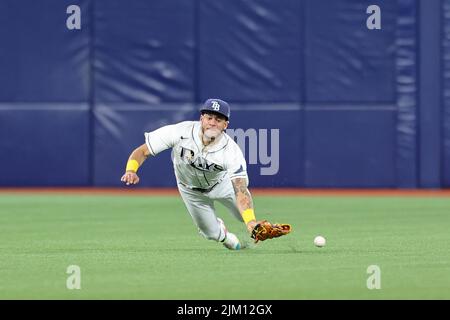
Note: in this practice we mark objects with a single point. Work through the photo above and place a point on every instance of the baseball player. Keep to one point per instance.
(209, 166)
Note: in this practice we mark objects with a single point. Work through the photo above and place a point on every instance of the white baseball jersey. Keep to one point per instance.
(196, 165)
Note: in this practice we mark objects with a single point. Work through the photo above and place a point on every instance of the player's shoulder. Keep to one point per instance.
(233, 155)
(185, 126)
(231, 144)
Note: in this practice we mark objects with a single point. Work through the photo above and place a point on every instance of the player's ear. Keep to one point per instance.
(226, 125)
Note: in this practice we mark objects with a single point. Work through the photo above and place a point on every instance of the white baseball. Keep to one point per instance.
(319, 241)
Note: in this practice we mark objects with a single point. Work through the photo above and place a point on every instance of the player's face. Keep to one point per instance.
(213, 122)
(212, 126)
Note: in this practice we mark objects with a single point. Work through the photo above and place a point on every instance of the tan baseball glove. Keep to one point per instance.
(264, 230)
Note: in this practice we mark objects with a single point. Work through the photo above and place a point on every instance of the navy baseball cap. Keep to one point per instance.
(217, 106)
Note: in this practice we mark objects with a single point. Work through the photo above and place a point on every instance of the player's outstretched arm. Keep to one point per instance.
(137, 157)
(244, 202)
(259, 230)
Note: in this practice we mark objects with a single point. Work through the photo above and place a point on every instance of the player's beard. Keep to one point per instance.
(212, 134)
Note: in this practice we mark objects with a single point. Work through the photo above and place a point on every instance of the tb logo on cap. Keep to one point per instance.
(215, 105)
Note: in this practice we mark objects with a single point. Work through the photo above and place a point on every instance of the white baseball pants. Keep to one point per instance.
(201, 208)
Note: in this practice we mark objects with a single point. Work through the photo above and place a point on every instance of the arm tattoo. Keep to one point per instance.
(243, 197)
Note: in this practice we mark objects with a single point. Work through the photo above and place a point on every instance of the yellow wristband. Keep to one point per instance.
(248, 215)
(132, 165)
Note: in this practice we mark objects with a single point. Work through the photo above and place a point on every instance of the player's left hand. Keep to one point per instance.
(264, 230)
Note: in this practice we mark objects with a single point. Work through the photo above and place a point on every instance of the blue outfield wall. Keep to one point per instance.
(318, 99)
(445, 87)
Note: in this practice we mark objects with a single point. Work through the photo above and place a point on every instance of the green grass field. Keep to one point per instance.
(146, 247)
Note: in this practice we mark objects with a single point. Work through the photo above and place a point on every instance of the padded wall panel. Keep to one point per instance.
(407, 90)
(430, 120)
(119, 128)
(446, 93)
(40, 58)
(249, 50)
(44, 144)
(144, 51)
(344, 60)
(350, 148)
(276, 133)
(142, 64)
